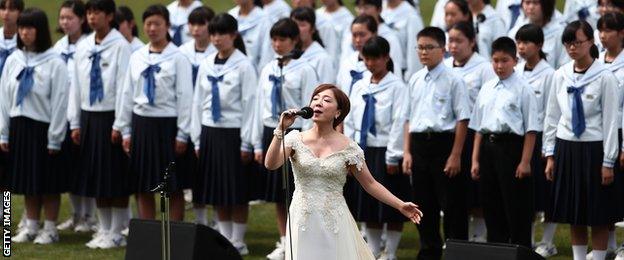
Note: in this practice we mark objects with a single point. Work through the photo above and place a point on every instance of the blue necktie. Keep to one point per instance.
(515, 13)
(177, 34)
(276, 96)
(583, 13)
(368, 120)
(96, 92)
(355, 77)
(4, 54)
(216, 102)
(391, 25)
(149, 85)
(26, 83)
(195, 70)
(578, 114)
(67, 56)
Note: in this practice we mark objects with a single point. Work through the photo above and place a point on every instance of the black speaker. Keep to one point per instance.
(188, 241)
(458, 249)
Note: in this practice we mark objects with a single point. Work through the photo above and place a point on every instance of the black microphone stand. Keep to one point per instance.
(165, 230)
(285, 172)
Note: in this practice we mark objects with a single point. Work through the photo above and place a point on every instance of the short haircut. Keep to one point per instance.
(35, 18)
(286, 28)
(369, 21)
(611, 21)
(79, 9)
(158, 10)
(467, 29)
(124, 14)
(377, 47)
(548, 9)
(341, 99)
(505, 45)
(12, 4)
(434, 33)
(201, 15)
(224, 23)
(531, 33)
(376, 3)
(106, 6)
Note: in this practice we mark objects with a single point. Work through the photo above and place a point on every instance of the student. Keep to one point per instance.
(475, 70)
(127, 27)
(339, 19)
(505, 118)
(326, 30)
(604, 7)
(542, 13)
(581, 10)
(488, 24)
(254, 25)
(33, 118)
(312, 45)
(456, 11)
(179, 11)
(510, 11)
(581, 123)
(432, 146)
(100, 61)
(222, 124)
(538, 74)
(401, 17)
(197, 49)
(352, 69)
(73, 24)
(154, 114)
(9, 12)
(276, 9)
(276, 92)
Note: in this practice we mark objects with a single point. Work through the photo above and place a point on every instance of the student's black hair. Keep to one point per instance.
(619, 4)
(224, 23)
(411, 2)
(201, 15)
(159, 10)
(258, 3)
(532, 33)
(369, 21)
(467, 29)
(306, 14)
(434, 33)
(569, 35)
(106, 6)
(35, 18)
(124, 14)
(376, 3)
(463, 8)
(548, 10)
(377, 47)
(286, 28)
(12, 4)
(611, 21)
(506, 45)
(78, 8)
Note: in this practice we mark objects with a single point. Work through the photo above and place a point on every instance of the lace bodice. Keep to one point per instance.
(319, 182)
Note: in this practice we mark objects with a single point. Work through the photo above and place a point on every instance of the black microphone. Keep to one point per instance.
(305, 113)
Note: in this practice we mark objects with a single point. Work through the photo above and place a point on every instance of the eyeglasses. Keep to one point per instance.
(576, 44)
(427, 48)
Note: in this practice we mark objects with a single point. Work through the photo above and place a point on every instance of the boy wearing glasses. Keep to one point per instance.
(436, 125)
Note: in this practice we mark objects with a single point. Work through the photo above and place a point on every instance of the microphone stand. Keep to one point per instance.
(285, 172)
(165, 227)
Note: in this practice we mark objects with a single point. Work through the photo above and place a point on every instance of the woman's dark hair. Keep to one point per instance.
(124, 14)
(35, 18)
(619, 4)
(463, 8)
(341, 99)
(306, 14)
(548, 10)
(611, 21)
(377, 47)
(532, 33)
(201, 15)
(224, 23)
(159, 10)
(106, 6)
(78, 8)
(369, 21)
(12, 4)
(376, 3)
(434, 33)
(467, 29)
(569, 35)
(506, 45)
(286, 28)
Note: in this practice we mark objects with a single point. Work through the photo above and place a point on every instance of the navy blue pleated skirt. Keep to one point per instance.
(103, 165)
(578, 196)
(223, 180)
(542, 186)
(33, 171)
(273, 188)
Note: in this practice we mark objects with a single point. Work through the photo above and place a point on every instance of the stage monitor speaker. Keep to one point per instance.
(464, 250)
(188, 242)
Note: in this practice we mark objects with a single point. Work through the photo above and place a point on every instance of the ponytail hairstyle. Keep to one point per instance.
(224, 23)
(463, 7)
(306, 14)
(124, 14)
(106, 6)
(286, 28)
(369, 21)
(467, 29)
(159, 10)
(78, 8)
(377, 47)
(532, 33)
(611, 21)
(569, 35)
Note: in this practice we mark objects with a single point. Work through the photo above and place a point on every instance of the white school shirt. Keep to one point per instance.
(321, 62)
(474, 73)
(572, 8)
(330, 37)
(46, 101)
(540, 79)
(340, 21)
(255, 29)
(504, 11)
(237, 93)
(343, 80)
(276, 10)
(390, 98)
(505, 106)
(136, 44)
(173, 92)
(556, 54)
(617, 68)
(115, 54)
(64, 48)
(600, 100)
(406, 23)
(195, 57)
(298, 84)
(7, 44)
(437, 19)
(178, 16)
(437, 100)
(489, 30)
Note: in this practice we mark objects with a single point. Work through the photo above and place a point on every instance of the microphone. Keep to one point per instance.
(305, 113)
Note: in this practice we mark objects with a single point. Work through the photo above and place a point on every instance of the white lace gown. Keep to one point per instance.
(322, 226)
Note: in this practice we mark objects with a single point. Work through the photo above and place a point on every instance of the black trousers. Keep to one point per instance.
(434, 191)
(508, 203)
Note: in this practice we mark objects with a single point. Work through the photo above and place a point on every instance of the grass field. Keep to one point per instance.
(262, 233)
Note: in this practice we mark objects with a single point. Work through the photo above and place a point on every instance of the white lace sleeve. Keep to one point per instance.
(355, 156)
(291, 139)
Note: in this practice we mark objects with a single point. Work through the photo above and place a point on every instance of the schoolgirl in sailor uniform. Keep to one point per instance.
(352, 68)
(100, 62)
(488, 24)
(276, 93)
(154, 114)
(401, 16)
(254, 25)
(33, 118)
(376, 123)
(198, 48)
(127, 27)
(276, 9)
(604, 7)
(580, 142)
(179, 12)
(334, 15)
(312, 45)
